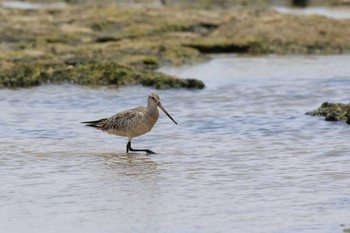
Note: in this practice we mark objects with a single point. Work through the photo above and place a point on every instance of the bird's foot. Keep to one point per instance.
(149, 151)
(129, 148)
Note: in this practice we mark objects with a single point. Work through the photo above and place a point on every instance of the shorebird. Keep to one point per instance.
(132, 123)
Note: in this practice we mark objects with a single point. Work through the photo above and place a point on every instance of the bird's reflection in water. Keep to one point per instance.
(131, 183)
(131, 164)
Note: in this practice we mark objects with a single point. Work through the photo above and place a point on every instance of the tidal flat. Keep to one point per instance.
(115, 45)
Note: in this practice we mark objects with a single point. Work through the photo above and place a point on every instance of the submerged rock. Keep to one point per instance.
(333, 112)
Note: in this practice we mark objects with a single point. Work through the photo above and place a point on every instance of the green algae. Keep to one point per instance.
(108, 73)
(23, 77)
(113, 74)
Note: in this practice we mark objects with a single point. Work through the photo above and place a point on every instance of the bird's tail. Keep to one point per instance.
(96, 124)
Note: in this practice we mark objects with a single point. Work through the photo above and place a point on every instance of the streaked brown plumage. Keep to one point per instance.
(133, 122)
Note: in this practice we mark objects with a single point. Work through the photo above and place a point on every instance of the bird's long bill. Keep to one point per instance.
(163, 109)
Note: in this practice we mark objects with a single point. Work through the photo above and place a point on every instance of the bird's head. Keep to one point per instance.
(154, 98)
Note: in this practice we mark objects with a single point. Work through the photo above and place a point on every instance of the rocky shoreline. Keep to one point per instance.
(110, 45)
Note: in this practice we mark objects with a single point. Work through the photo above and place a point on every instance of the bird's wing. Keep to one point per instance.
(124, 119)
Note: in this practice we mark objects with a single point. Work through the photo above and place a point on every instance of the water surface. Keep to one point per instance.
(243, 158)
(330, 12)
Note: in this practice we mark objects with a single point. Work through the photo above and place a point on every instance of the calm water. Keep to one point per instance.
(244, 157)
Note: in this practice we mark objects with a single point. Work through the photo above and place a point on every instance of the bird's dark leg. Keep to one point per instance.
(128, 148)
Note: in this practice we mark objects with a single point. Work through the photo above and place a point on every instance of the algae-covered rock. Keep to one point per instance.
(111, 45)
(340, 3)
(262, 31)
(333, 112)
(107, 73)
(94, 45)
(161, 81)
(19, 77)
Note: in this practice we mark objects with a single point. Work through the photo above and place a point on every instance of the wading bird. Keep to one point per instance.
(132, 123)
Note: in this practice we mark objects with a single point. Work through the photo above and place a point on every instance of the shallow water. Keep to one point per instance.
(330, 12)
(244, 157)
(32, 5)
